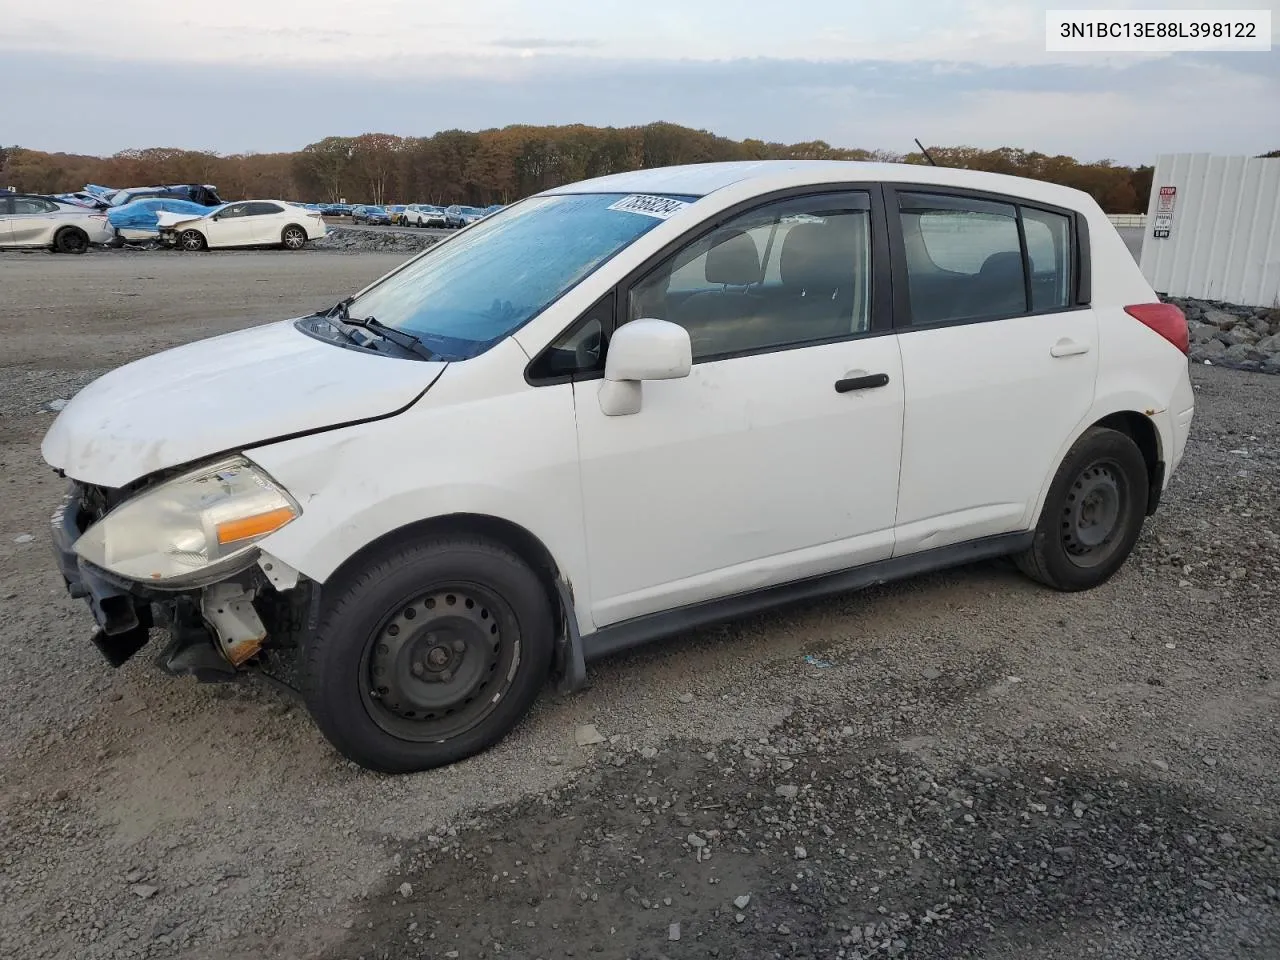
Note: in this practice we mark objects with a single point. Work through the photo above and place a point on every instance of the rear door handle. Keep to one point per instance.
(862, 383)
(1067, 347)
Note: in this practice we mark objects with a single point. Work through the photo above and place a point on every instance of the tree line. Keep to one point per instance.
(502, 165)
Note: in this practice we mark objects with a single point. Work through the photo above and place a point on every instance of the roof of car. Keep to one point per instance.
(700, 179)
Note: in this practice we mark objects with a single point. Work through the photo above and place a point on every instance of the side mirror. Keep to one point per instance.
(645, 349)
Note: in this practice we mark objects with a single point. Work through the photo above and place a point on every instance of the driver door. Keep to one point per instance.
(229, 227)
(764, 465)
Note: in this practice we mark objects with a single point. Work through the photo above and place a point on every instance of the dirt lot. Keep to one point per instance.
(961, 766)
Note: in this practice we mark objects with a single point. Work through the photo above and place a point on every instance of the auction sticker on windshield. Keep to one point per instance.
(661, 207)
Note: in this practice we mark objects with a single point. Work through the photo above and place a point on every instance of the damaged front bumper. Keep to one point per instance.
(215, 632)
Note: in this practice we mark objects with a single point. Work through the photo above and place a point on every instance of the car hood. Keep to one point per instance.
(167, 218)
(221, 394)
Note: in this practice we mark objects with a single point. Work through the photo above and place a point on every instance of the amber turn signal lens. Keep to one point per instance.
(254, 526)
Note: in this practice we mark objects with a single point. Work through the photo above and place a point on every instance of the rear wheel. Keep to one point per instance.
(1092, 515)
(293, 237)
(431, 653)
(192, 241)
(71, 240)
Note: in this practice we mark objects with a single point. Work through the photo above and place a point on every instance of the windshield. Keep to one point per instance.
(466, 294)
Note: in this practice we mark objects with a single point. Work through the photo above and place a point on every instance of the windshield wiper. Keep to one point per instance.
(401, 339)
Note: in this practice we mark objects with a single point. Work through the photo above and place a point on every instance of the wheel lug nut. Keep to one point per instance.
(417, 668)
(458, 646)
(446, 676)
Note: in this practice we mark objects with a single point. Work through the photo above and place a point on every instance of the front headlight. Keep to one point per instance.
(192, 529)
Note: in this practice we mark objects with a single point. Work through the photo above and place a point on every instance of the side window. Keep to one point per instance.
(786, 274)
(1049, 250)
(963, 258)
(580, 349)
(235, 210)
(30, 205)
(262, 208)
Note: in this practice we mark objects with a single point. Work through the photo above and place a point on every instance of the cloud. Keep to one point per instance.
(1124, 110)
(547, 43)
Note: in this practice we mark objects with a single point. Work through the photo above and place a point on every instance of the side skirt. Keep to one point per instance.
(638, 631)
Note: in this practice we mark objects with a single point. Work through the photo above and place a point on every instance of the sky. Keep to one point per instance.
(265, 75)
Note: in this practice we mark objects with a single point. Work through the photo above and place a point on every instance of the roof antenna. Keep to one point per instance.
(924, 151)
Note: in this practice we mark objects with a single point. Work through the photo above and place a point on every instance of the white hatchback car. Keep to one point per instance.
(618, 410)
(247, 223)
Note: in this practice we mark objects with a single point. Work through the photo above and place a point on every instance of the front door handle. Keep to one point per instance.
(1067, 347)
(862, 383)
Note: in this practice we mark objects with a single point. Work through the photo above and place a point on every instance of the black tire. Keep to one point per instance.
(293, 237)
(1092, 515)
(192, 241)
(457, 634)
(71, 240)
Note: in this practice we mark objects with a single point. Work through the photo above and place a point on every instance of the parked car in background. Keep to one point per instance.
(367, 213)
(425, 215)
(458, 216)
(204, 194)
(396, 212)
(137, 221)
(336, 209)
(491, 209)
(246, 223)
(641, 404)
(34, 221)
(80, 198)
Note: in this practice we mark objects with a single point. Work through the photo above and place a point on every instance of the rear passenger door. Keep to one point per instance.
(999, 358)
(264, 222)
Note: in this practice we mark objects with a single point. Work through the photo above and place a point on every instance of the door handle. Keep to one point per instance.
(862, 383)
(1067, 347)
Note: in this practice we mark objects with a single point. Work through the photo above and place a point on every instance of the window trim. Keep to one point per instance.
(606, 334)
(12, 205)
(881, 305)
(1079, 282)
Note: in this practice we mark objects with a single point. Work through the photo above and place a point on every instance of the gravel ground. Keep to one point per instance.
(962, 765)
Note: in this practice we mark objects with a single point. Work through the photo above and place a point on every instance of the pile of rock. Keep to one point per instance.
(373, 241)
(1228, 335)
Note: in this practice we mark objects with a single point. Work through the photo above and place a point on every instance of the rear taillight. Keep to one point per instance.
(1166, 320)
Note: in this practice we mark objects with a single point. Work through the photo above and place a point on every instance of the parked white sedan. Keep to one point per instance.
(245, 223)
(28, 221)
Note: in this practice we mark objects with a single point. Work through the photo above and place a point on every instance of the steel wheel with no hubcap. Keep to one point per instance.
(1094, 512)
(440, 664)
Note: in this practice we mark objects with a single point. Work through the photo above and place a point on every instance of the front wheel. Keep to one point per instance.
(293, 238)
(191, 241)
(1092, 515)
(429, 654)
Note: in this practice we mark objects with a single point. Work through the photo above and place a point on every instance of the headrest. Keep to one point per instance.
(1002, 265)
(816, 256)
(734, 260)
